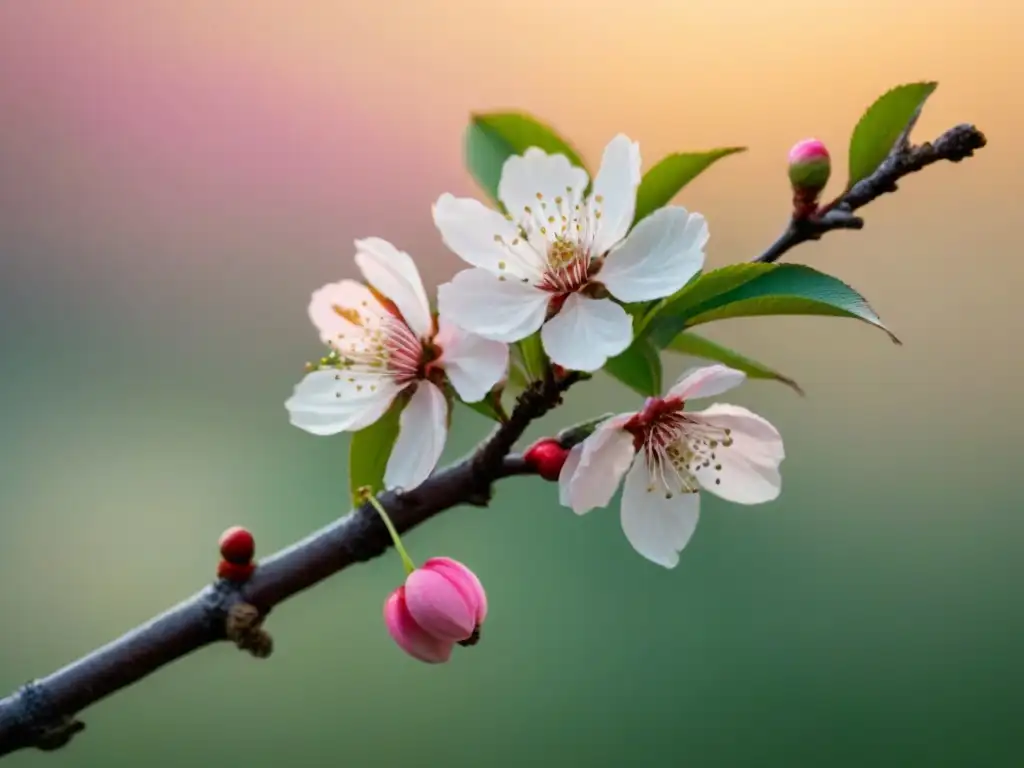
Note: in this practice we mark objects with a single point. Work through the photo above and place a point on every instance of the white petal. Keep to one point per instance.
(707, 381)
(658, 257)
(572, 462)
(586, 332)
(503, 310)
(616, 185)
(524, 177)
(329, 401)
(749, 471)
(394, 275)
(472, 363)
(344, 310)
(658, 527)
(422, 430)
(603, 460)
(485, 238)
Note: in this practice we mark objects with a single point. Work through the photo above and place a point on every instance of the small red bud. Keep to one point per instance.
(547, 457)
(809, 169)
(237, 572)
(237, 546)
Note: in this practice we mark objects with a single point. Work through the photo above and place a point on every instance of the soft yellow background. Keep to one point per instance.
(175, 179)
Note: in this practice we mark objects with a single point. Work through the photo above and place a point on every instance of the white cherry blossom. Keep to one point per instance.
(553, 262)
(388, 345)
(667, 455)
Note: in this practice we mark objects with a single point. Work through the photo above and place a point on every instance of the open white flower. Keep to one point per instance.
(556, 257)
(668, 454)
(388, 345)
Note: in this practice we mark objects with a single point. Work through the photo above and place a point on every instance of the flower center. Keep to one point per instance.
(381, 345)
(560, 230)
(568, 267)
(677, 447)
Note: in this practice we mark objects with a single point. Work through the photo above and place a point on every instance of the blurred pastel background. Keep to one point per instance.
(177, 176)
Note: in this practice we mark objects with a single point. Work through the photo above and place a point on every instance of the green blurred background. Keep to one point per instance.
(176, 178)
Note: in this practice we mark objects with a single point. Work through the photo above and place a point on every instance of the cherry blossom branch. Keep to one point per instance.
(954, 145)
(41, 714)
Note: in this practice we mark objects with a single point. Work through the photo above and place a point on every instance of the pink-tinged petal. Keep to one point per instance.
(439, 606)
(536, 177)
(394, 275)
(330, 401)
(707, 381)
(657, 524)
(747, 463)
(472, 363)
(502, 310)
(604, 458)
(422, 431)
(662, 253)
(344, 310)
(484, 238)
(409, 636)
(586, 332)
(565, 477)
(614, 192)
(465, 581)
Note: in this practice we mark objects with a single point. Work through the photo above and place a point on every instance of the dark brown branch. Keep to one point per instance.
(42, 713)
(953, 145)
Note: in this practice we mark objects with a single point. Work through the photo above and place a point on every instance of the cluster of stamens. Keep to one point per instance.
(381, 346)
(561, 232)
(676, 447)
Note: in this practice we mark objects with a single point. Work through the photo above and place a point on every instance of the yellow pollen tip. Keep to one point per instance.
(352, 315)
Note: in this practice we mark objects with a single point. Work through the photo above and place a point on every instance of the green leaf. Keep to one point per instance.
(881, 126)
(639, 368)
(697, 346)
(751, 290)
(493, 138)
(369, 451)
(577, 433)
(665, 180)
(533, 359)
(489, 407)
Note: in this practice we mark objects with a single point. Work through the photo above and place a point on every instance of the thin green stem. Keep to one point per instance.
(410, 566)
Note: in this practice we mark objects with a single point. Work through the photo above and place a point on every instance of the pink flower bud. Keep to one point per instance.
(446, 599)
(412, 638)
(809, 166)
(441, 603)
(546, 457)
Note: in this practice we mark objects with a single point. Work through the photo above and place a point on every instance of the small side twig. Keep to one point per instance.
(954, 145)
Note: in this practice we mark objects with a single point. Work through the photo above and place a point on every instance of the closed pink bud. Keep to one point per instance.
(409, 635)
(446, 599)
(809, 166)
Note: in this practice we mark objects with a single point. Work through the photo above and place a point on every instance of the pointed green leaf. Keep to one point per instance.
(666, 179)
(493, 138)
(697, 346)
(881, 126)
(577, 433)
(534, 360)
(750, 290)
(490, 407)
(639, 368)
(370, 449)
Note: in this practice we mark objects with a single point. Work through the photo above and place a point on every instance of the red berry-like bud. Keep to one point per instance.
(547, 457)
(237, 546)
(237, 572)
